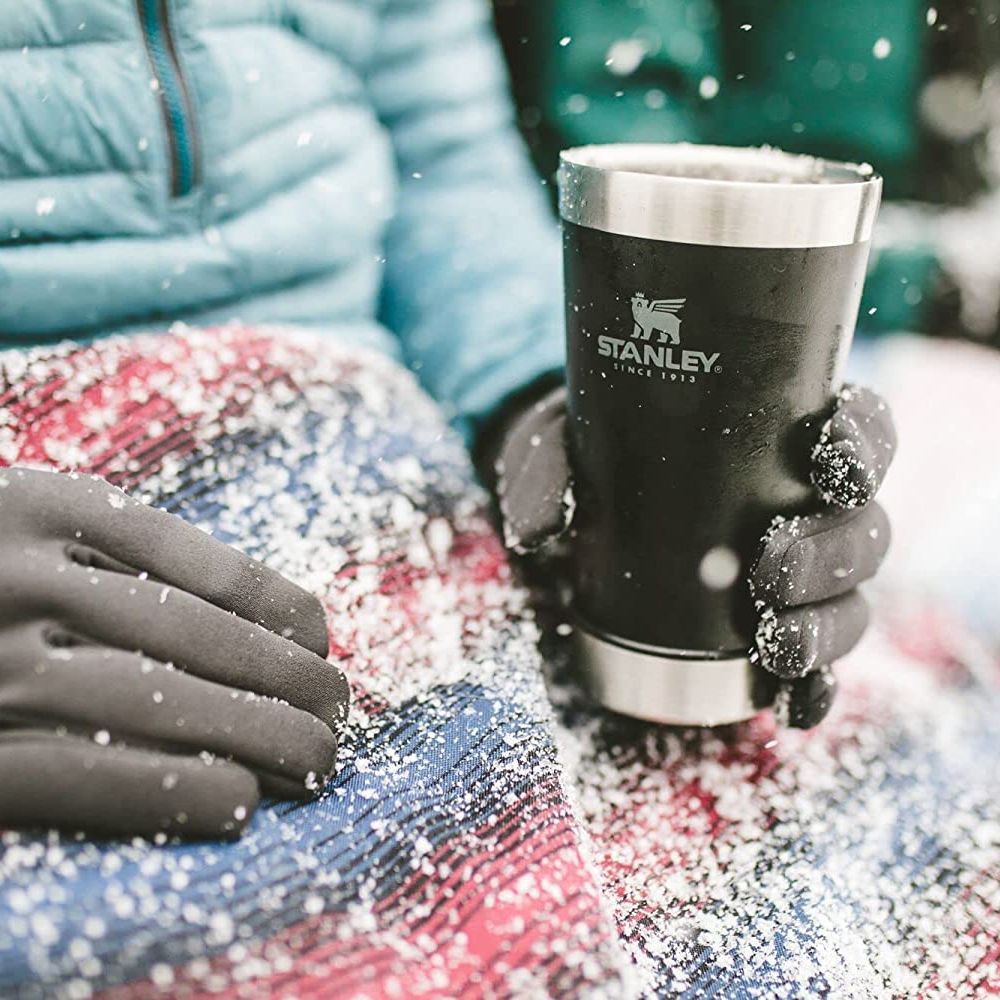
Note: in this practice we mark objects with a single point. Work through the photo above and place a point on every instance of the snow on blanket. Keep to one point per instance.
(488, 832)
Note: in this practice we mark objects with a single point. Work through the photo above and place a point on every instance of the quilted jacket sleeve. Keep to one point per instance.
(473, 280)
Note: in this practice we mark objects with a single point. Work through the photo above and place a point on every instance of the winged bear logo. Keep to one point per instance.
(659, 315)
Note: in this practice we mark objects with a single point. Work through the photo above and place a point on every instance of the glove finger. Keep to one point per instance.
(172, 626)
(793, 642)
(72, 784)
(169, 549)
(805, 702)
(533, 476)
(855, 449)
(145, 703)
(809, 559)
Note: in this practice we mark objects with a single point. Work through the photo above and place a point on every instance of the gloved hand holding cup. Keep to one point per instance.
(721, 475)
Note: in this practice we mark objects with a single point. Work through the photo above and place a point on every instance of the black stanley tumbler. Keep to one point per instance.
(711, 296)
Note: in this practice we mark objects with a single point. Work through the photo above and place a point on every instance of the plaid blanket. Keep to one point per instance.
(488, 832)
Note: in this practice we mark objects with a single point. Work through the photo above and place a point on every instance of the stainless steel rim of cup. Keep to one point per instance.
(718, 195)
(667, 689)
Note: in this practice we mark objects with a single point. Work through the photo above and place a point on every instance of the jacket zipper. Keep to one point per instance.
(175, 98)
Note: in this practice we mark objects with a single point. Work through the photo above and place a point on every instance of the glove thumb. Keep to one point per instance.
(533, 475)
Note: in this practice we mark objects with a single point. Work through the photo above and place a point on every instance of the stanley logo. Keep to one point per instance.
(659, 316)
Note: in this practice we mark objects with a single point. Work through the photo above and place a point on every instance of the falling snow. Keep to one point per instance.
(625, 56)
(882, 48)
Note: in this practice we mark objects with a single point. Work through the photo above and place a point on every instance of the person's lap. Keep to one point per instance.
(332, 467)
(474, 840)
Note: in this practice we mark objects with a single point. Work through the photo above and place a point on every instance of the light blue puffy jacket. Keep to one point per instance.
(345, 164)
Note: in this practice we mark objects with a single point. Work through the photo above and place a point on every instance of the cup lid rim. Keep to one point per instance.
(841, 173)
(808, 202)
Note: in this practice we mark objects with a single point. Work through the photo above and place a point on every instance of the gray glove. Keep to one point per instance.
(804, 582)
(152, 679)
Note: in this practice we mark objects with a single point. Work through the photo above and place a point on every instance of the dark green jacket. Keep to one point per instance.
(895, 83)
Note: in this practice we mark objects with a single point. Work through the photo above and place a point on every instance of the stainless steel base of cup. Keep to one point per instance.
(663, 686)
